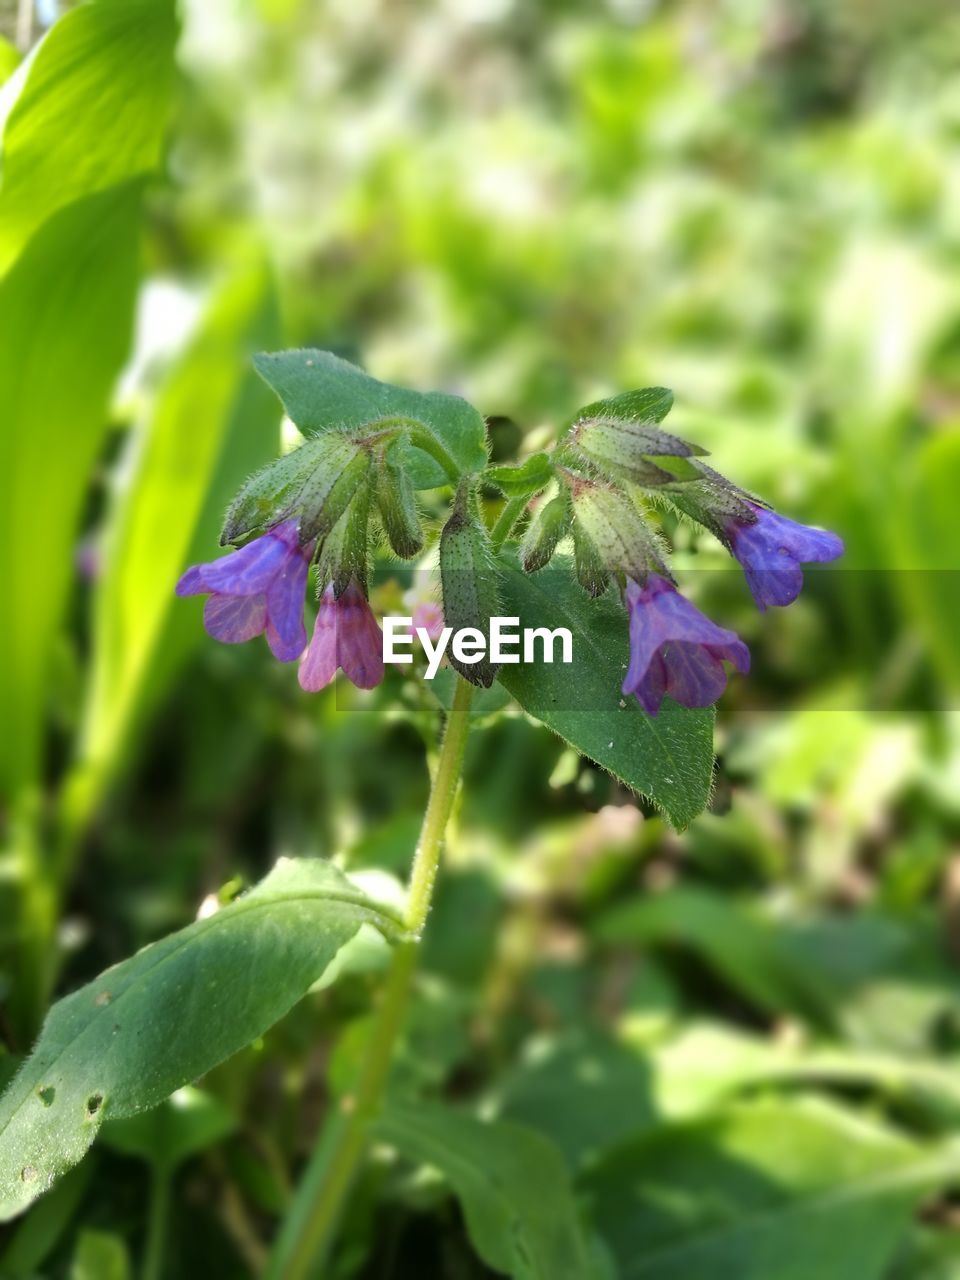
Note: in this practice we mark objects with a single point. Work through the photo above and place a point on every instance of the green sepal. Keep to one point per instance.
(344, 551)
(616, 530)
(591, 574)
(549, 523)
(397, 505)
(304, 483)
(522, 479)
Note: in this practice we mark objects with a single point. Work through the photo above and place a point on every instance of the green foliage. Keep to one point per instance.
(516, 1198)
(769, 1188)
(210, 426)
(147, 1026)
(91, 113)
(321, 392)
(78, 275)
(666, 759)
(726, 1050)
(186, 1123)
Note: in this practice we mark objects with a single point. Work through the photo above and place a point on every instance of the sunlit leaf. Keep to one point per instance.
(153, 1023)
(65, 317)
(86, 111)
(213, 423)
(320, 391)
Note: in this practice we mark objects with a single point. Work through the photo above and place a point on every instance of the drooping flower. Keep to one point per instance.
(675, 649)
(345, 635)
(258, 588)
(772, 549)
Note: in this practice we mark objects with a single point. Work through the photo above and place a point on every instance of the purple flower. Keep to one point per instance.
(258, 588)
(345, 635)
(675, 650)
(772, 551)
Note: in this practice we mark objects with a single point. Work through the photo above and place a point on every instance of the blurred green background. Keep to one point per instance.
(532, 204)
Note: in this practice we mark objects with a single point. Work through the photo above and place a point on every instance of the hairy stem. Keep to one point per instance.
(309, 1228)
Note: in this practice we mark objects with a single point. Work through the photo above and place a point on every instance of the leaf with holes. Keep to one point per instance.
(147, 1026)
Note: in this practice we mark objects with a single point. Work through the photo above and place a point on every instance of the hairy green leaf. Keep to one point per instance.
(521, 479)
(153, 1023)
(668, 759)
(320, 391)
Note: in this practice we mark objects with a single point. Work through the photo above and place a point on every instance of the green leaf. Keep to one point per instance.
(925, 546)
(36, 1237)
(585, 1091)
(100, 1255)
(147, 1026)
(187, 1122)
(648, 404)
(773, 1189)
(521, 479)
(806, 966)
(668, 759)
(212, 424)
(320, 391)
(76, 282)
(511, 1182)
(9, 60)
(87, 111)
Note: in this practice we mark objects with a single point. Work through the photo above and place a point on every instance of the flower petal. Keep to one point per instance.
(318, 665)
(286, 633)
(234, 619)
(695, 675)
(359, 640)
(248, 571)
(651, 686)
(191, 583)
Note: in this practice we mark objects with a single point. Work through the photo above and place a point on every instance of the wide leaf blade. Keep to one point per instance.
(173, 1011)
(511, 1182)
(320, 391)
(668, 759)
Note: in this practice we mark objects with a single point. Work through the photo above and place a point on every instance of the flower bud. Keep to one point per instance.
(626, 449)
(714, 502)
(614, 527)
(313, 484)
(591, 574)
(343, 552)
(469, 581)
(398, 510)
(549, 523)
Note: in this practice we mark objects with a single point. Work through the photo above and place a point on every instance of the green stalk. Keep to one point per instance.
(158, 1224)
(308, 1231)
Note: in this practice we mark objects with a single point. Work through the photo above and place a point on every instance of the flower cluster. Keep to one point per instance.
(312, 508)
(675, 650)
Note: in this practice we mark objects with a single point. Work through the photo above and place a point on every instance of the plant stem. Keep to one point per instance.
(308, 1230)
(157, 1224)
(439, 806)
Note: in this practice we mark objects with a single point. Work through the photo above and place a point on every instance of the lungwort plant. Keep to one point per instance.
(576, 543)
